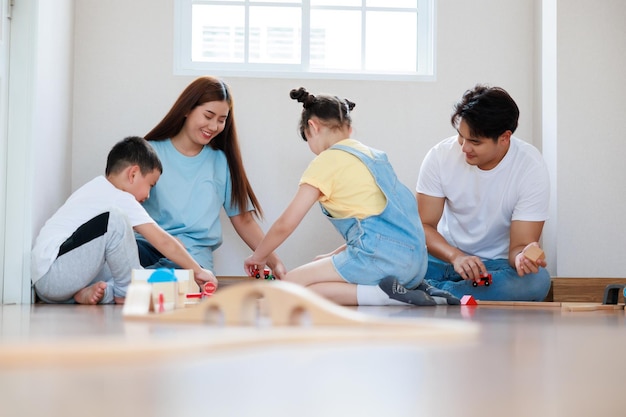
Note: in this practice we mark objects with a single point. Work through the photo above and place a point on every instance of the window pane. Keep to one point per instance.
(365, 39)
(391, 50)
(275, 35)
(351, 3)
(217, 33)
(335, 39)
(392, 3)
(298, 2)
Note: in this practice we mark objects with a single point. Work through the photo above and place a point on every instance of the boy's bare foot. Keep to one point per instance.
(92, 294)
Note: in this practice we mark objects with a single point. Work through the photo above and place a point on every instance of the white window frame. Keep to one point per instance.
(183, 64)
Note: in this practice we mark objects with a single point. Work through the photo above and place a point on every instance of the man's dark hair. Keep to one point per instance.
(488, 112)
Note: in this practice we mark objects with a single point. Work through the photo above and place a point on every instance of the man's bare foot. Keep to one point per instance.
(92, 294)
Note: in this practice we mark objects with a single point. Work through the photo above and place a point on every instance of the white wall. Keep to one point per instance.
(52, 121)
(38, 131)
(591, 106)
(124, 85)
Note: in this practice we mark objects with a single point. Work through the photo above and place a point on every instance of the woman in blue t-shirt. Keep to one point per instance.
(202, 172)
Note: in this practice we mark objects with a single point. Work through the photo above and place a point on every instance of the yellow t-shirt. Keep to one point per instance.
(347, 186)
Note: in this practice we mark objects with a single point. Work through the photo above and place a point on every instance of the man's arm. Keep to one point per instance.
(523, 235)
(430, 210)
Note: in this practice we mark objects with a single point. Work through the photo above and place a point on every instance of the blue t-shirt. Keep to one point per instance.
(187, 199)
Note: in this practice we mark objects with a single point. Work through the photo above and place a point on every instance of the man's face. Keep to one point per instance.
(485, 153)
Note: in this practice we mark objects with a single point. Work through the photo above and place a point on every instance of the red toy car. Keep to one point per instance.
(266, 272)
(485, 279)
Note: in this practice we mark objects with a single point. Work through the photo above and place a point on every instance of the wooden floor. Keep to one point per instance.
(524, 361)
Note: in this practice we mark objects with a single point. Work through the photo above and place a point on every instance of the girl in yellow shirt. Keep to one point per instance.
(384, 259)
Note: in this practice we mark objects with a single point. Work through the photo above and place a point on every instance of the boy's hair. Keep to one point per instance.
(332, 110)
(133, 150)
(488, 112)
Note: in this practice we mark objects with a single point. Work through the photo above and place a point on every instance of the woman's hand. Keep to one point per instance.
(278, 270)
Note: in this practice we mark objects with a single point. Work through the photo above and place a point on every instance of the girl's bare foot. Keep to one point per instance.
(92, 294)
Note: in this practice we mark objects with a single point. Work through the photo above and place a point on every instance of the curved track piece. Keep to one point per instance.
(282, 302)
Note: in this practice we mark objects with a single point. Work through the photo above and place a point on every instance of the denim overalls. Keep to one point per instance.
(391, 243)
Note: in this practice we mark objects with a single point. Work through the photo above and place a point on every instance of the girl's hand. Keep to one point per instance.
(251, 265)
(336, 251)
(322, 256)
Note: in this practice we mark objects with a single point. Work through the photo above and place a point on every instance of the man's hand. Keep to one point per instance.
(525, 266)
(469, 267)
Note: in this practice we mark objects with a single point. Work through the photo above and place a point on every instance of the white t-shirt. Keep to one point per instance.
(480, 205)
(94, 198)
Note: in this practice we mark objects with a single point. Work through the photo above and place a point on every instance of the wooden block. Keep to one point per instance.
(542, 304)
(534, 253)
(468, 300)
(138, 299)
(592, 307)
(182, 275)
(186, 282)
(165, 296)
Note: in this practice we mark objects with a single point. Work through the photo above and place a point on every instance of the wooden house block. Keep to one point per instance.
(185, 284)
(468, 300)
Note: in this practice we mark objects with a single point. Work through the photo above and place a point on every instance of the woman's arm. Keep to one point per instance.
(430, 210)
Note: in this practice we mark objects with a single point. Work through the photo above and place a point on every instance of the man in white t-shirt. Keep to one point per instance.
(483, 198)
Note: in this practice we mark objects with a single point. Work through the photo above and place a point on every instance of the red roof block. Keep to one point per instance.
(468, 300)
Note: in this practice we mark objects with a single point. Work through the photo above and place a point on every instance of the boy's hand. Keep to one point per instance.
(203, 276)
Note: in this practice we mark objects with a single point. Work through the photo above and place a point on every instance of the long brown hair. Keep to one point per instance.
(203, 90)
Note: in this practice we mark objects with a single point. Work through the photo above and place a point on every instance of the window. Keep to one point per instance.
(355, 39)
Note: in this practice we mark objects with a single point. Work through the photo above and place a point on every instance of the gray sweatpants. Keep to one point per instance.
(110, 257)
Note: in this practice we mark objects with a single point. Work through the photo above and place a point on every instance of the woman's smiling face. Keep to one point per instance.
(206, 121)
